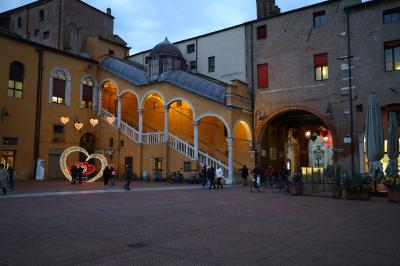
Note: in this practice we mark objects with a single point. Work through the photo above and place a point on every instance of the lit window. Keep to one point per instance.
(262, 76)
(190, 48)
(87, 93)
(261, 32)
(392, 55)
(59, 87)
(319, 19)
(321, 66)
(391, 16)
(15, 80)
(211, 64)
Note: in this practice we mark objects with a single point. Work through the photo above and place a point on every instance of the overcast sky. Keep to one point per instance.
(145, 23)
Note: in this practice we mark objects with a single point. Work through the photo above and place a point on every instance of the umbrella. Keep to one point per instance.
(393, 146)
(374, 136)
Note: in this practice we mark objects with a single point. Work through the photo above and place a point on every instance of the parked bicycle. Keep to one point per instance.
(176, 177)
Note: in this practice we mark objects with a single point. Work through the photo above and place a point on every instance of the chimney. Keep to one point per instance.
(267, 8)
(108, 11)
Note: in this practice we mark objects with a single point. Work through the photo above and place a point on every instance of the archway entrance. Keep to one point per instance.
(301, 142)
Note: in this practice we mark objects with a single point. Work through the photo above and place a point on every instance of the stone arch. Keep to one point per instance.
(129, 101)
(153, 115)
(153, 91)
(130, 91)
(101, 83)
(245, 126)
(212, 114)
(186, 101)
(108, 101)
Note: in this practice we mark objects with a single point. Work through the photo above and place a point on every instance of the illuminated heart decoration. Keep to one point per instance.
(68, 151)
(94, 122)
(64, 120)
(87, 167)
(110, 119)
(78, 125)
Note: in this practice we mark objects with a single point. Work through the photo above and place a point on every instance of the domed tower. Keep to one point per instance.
(164, 57)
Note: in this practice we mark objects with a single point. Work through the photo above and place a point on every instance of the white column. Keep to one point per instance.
(99, 102)
(166, 123)
(140, 111)
(119, 108)
(196, 140)
(230, 160)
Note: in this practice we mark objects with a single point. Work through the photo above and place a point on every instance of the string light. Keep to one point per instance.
(308, 134)
(68, 151)
(94, 122)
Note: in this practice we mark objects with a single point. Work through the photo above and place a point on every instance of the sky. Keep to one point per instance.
(145, 23)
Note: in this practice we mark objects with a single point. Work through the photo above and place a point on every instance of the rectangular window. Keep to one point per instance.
(41, 15)
(10, 141)
(58, 91)
(391, 16)
(8, 157)
(187, 166)
(319, 19)
(58, 133)
(87, 96)
(321, 66)
(111, 142)
(36, 32)
(262, 76)
(193, 65)
(110, 52)
(211, 64)
(46, 35)
(392, 56)
(19, 22)
(261, 32)
(190, 48)
(58, 129)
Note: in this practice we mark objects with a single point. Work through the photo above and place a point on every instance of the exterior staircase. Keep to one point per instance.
(174, 142)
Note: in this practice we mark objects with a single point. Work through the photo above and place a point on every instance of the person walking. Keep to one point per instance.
(113, 175)
(3, 178)
(11, 175)
(74, 174)
(80, 174)
(245, 174)
(257, 177)
(128, 177)
(106, 175)
(203, 176)
(219, 173)
(211, 176)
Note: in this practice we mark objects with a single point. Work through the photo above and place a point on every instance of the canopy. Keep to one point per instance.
(392, 146)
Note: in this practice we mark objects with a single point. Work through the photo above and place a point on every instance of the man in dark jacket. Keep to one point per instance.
(128, 177)
(245, 174)
(203, 176)
(211, 176)
(257, 176)
(74, 173)
(106, 175)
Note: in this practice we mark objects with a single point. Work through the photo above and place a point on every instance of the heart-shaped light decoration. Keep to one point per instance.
(68, 151)
(87, 167)
(94, 122)
(111, 119)
(78, 125)
(64, 119)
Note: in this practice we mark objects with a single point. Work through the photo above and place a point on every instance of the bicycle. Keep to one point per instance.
(277, 184)
(176, 177)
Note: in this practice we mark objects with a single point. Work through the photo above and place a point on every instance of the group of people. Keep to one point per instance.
(270, 173)
(6, 178)
(207, 177)
(76, 174)
(109, 174)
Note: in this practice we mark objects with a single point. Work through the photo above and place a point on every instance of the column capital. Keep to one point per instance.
(166, 107)
(140, 111)
(196, 123)
(230, 141)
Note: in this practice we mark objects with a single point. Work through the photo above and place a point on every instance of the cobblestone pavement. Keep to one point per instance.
(194, 226)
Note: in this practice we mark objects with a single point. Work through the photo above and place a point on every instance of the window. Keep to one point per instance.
(190, 48)
(391, 16)
(262, 76)
(179, 103)
(59, 129)
(58, 133)
(15, 80)
(187, 166)
(10, 141)
(19, 22)
(41, 15)
(110, 52)
(46, 35)
(59, 87)
(36, 32)
(193, 65)
(392, 56)
(319, 19)
(211, 64)
(87, 93)
(111, 142)
(321, 66)
(158, 164)
(261, 32)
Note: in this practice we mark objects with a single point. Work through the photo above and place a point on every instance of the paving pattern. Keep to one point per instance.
(159, 224)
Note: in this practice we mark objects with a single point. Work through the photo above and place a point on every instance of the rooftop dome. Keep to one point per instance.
(165, 49)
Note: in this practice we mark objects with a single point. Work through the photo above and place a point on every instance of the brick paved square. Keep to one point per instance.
(193, 226)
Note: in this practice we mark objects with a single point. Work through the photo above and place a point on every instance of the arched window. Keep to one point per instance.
(15, 80)
(87, 93)
(59, 87)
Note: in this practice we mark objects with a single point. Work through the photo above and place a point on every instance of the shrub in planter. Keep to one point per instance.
(356, 187)
(392, 184)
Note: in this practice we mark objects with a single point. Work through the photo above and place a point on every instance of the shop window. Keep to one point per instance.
(15, 80)
(319, 19)
(190, 48)
(46, 35)
(211, 64)
(59, 87)
(87, 93)
(392, 56)
(10, 141)
(391, 16)
(262, 76)
(321, 66)
(8, 157)
(41, 15)
(19, 22)
(193, 65)
(261, 32)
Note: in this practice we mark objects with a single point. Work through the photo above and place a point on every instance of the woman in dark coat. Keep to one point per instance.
(128, 177)
(106, 175)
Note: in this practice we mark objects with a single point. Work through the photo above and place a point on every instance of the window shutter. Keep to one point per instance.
(321, 60)
(391, 44)
(262, 76)
(59, 88)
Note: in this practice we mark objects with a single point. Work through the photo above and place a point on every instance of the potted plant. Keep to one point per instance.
(356, 187)
(296, 185)
(392, 184)
(335, 177)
